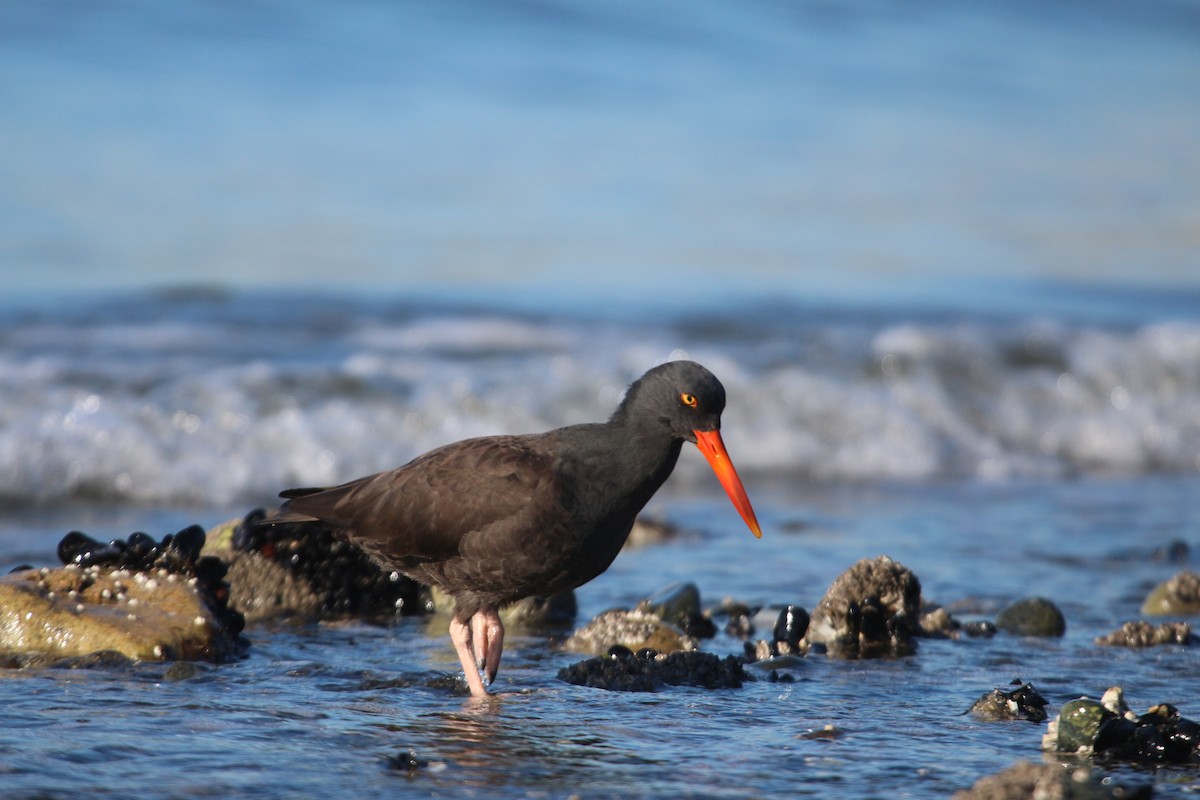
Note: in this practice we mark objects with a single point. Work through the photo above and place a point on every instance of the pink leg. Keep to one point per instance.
(460, 634)
(489, 640)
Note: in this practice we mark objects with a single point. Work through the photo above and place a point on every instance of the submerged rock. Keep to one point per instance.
(634, 630)
(1144, 634)
(1025, 780)
(1178, 595)
(1022, 702)
(1032, 616)
(871, 609)
(646, 671)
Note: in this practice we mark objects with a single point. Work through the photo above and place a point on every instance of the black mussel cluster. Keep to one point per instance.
(342, 575)
(178, 553)
(1160, 736)
(623, 670)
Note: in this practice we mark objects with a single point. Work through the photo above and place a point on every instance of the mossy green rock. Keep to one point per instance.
(1032, 616)
(1079, 724)
(1177, 596)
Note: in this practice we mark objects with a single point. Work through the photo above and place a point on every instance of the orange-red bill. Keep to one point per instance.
(713, 448)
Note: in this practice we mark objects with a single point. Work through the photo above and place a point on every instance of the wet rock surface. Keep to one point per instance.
(1178, 595)
(136, 598)
(1019, 702)
(647, 671)
(634, 630)
(871, 609)
(1108, 730)
(679, 605)
(1032, 616)
(1146, 634)
(303, 570)
(1025, 780)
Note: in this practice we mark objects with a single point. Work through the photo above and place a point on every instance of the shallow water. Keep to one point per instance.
(314, 709)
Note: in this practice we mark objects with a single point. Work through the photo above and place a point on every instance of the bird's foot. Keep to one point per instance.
(487, 636)
(479, 643)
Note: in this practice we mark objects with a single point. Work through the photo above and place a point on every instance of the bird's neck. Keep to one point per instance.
(641, 456)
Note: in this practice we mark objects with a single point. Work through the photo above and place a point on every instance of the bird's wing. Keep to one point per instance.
(438, 504)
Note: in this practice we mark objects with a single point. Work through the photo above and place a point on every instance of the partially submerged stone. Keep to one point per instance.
(634, 630)
(1140, 633)
(305, 571)
(871, 609)
(74, 611)
(1022, 702)
(1032, 616)
(1179, 595)
(1109, 729)
(1025, 780)
(679, 604)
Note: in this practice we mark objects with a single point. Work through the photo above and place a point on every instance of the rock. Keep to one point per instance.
(1023, 703)
(1026, 780)
(1077, 727)
(738, 616)
(1032, 616)
(679, 605)
(646, 671)
(871, 609)
(531, 612)
(305, 571)
(1109, 729)
(75, 611)
(787, 637)
(1144, 634)
(1178, 595)
(649, 531)
(635, 630)
(262, 589)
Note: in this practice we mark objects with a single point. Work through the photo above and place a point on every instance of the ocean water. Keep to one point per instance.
(942, 257)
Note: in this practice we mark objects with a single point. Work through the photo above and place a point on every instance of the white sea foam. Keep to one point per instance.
(224, 407)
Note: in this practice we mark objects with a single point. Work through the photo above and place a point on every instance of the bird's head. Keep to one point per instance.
(689, 399)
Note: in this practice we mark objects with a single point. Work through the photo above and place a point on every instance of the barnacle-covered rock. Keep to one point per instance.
(143, 599)
(1021, 702)
(871, 609)
(633, 630)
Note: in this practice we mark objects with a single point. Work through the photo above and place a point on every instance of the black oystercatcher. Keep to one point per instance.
(499, 518)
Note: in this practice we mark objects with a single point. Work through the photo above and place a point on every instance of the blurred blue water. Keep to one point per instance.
(683, 149)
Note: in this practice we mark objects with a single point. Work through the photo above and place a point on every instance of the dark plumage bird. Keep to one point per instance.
(499, 518)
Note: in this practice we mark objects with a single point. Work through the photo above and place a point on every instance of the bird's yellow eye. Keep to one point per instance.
(689, 400)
